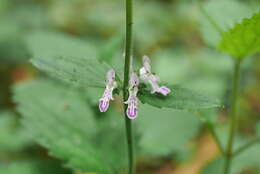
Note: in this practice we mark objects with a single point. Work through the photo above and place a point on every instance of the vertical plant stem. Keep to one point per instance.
(233, 114)
(128, 51)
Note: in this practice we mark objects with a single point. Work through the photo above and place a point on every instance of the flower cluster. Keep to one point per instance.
(146, 76)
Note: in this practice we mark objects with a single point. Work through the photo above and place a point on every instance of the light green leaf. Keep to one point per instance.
(225, 14)
(164, 131)
(243, 39)
(79, 72)
(179, 98)
(68, 59)
(60, 119)
(53, 44)
(32, 167)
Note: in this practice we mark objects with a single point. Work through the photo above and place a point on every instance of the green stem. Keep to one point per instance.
(233, 114)
(128, 51)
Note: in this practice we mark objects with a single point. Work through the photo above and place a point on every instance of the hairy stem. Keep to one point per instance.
(128, 51)
(233, 114)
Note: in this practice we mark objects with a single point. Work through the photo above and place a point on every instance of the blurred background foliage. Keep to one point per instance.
(44, 123)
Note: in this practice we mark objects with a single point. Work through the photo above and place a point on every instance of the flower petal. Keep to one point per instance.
(103, 104)
(164, 90)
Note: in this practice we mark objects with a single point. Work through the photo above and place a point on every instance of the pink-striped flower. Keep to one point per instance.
(132, 109)
(147, 76)
(108, 93)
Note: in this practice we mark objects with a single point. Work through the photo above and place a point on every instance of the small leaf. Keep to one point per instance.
(243, 39)
(179, 98)
(79, 72)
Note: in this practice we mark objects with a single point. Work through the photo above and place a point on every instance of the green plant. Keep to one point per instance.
(240, 42)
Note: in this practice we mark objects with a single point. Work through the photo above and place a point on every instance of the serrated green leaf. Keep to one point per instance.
(60, 120)
(53, 44)
(235, 11)
(164, 131)
(32, 167)
(179, 98)
(243, 39)
(79, 72)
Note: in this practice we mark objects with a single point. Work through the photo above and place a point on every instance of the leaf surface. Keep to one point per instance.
(243, 39)
(179, 98)
(60, 119)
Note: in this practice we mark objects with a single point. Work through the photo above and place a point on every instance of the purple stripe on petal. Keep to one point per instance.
(131, 113)
(103, 105)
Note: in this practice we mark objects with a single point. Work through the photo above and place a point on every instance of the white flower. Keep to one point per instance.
(147, 76)
(108, 93)
(132, 109)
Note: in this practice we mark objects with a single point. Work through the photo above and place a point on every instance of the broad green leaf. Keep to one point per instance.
(225, 13)
(243, 39)
(179, 98)
(32, 167)
(60, 119)
(12, 135)
(164, 131)
(80, 72)
(53, 44)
